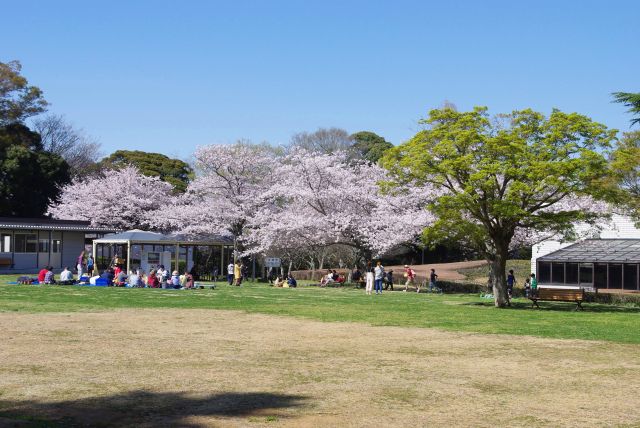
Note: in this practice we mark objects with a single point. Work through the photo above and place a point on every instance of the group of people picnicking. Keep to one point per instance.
(116, 276)
(375, 277)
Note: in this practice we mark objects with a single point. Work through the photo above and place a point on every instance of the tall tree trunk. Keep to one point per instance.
(498, 277)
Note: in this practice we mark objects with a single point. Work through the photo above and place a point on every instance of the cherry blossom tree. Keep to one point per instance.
(325, 199)
(226, 195)
(122, 199)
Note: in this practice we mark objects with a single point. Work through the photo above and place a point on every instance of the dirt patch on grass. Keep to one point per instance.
(220, 368)
(445, 271)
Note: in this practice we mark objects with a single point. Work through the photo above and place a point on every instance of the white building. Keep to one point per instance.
(27, 245)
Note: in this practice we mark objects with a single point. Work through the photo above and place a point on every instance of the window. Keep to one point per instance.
(571, 276)
(544, 272)
(5, 243)
(43, 245)
(615, 276)
(153, 258)
(600, 275)
(25, 242)
(557, 273)
(586, 273)
(56, 245)
(630, 277)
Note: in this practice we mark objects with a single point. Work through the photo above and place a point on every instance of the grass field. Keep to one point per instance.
(308, 357)
(453, 312)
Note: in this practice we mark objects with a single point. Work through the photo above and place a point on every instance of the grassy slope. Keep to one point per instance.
(521, 270)
(451, 312)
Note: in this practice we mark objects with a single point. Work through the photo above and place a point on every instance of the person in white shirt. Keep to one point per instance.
(66, 277)
(230, 269)
(162, 274)
(378, 273)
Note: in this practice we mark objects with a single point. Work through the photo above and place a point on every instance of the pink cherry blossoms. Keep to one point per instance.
(122, 199)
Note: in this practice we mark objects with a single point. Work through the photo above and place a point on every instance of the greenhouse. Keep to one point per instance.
(602, 264)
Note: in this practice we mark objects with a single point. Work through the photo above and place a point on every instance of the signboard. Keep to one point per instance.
(272, 262)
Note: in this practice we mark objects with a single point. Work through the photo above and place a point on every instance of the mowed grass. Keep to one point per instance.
(454, 312)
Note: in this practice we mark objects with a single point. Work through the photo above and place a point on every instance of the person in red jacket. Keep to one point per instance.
(42, 274)
(152, 279)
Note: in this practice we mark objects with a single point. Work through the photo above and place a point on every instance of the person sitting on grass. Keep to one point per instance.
(188, 282)
(326, 278)
(66, 276)
(133, 279)
(49, 278)
(121, 279)
(278, 282)
(291, 281)
(175, 280)
(42, 274)
(108, 275)
(152, 279)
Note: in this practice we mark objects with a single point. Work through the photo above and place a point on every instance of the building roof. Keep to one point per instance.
(50, 224)
(598, 250)
(144, 237)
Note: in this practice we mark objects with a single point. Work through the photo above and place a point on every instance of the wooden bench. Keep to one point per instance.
(6, 262)
(558, 295)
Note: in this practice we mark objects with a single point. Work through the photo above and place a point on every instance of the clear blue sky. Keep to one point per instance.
(167, 76)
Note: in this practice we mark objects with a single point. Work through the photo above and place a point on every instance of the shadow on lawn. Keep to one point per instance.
(561, 307)
(141, 408)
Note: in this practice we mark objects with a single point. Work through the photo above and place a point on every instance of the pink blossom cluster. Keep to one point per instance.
(122, 199)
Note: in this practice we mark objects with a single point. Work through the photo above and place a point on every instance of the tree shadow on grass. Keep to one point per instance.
(561, 307)
(142, 408)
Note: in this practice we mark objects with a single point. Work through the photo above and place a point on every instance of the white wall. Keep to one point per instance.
(72, 245)
(619, 227)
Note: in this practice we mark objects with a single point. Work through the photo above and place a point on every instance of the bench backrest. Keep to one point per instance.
(562, 294)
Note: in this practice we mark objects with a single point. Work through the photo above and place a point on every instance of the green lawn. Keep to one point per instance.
(453, 312)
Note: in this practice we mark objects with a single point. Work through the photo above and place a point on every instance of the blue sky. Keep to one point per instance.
(168, 76)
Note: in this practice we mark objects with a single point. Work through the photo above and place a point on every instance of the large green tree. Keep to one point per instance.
(18, 100)
(369, 145)
(631, 100)
(174, 171)
(30, 177)
(500, 180)
(624, 184)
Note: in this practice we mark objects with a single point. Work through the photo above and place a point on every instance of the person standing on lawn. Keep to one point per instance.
(511, 280)
(433, 278)
(237, 273)
(369, 280)
(80, 264)
(534, 285)
(378, 276)
(90, 265)
(230, 269)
